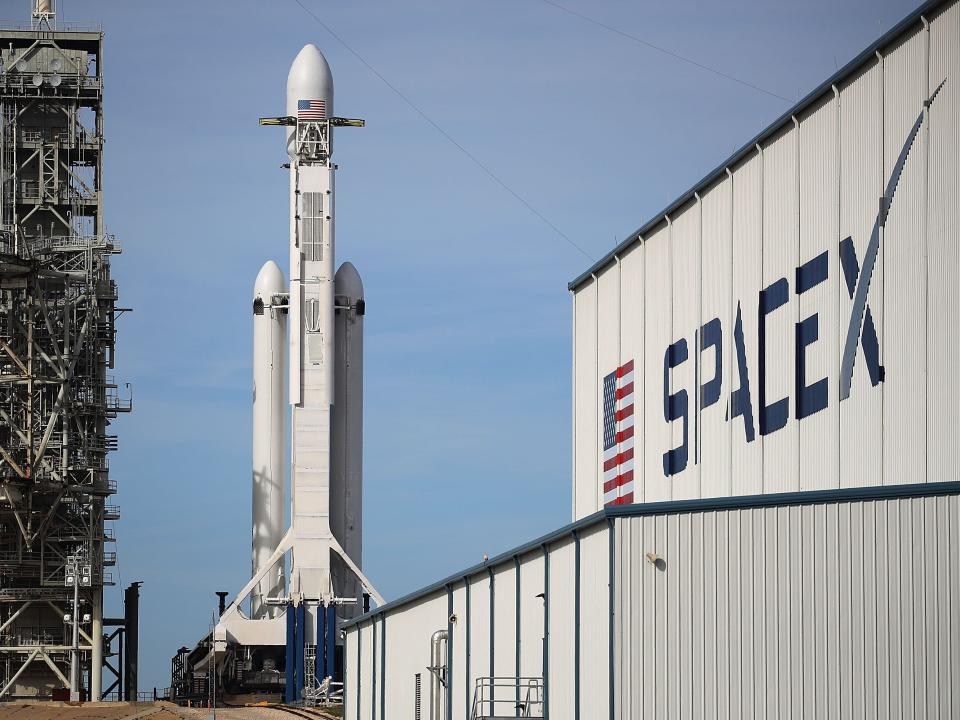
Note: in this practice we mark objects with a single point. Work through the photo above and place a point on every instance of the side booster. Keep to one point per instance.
(308, 367)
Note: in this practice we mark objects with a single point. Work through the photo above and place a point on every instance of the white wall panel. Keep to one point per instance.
(594, 621)
(713, 445)
(861, 185)
(943, 250)
(479, 629)
(780, 256)
(608, 359)
(685, 320)
(350, 668)
(505, 611)
(658, 312)
(561, 599)
(408, 652)
(632, 350)
(585, 455)
(747, 453)
(819, 429)
(459, 687)
(531, 616)
(905, 258)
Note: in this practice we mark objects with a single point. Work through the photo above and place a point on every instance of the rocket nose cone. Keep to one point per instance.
(309, 79)
(269, 282)
(347, 282)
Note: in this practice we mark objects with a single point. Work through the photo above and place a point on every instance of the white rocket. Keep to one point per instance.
(316, 368)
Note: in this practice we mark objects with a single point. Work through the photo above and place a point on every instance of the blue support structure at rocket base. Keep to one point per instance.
(325, 664)
(331, 641)
(326, 642)
(296, 638)
(298, 649)
(289, 692)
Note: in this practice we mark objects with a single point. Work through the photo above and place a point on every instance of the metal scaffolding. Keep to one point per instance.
(57, 332)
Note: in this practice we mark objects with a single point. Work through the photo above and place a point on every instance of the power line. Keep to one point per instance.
(473, 158)
(664, 50)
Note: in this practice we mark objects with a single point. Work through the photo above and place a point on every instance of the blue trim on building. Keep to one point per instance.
(516, 627)
(493, 621)
(373, 670)
(383, 667)
(611, 584)
(546, 630)
(869, 54)
(576, 625)
(670, 507)
(467, 651)
(449, 693)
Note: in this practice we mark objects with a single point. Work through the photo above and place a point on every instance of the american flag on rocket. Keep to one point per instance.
(311, 110)
(618, 436)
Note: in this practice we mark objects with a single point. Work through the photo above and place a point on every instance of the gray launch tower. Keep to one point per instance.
(57, 331)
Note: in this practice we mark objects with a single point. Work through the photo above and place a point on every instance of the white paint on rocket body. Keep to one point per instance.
(269, 431)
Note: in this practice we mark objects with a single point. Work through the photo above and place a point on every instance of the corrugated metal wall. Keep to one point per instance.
(765, 251)
(394, 646)
(844, 604)
(823, 610)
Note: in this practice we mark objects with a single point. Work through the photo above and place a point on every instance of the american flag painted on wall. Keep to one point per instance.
(311, 110)
(618, 436)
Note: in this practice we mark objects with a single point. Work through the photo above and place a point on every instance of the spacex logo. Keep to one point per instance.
(748, 403)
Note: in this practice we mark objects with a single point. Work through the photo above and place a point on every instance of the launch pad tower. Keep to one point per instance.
(57, 332)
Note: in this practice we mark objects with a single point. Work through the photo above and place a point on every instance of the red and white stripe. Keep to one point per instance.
(618, 460)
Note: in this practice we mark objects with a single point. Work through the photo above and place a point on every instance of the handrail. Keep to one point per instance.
(525, 697)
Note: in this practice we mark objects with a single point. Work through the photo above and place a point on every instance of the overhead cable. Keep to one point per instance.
(664, 50)
(473, 158)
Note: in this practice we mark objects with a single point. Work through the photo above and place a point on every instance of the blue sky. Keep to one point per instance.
(467, 445)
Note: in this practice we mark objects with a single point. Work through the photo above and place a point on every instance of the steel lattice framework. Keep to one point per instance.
(57, 332)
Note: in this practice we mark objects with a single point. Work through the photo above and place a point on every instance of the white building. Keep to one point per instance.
(766, 445)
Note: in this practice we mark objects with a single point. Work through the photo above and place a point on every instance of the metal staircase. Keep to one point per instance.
(499, 698)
